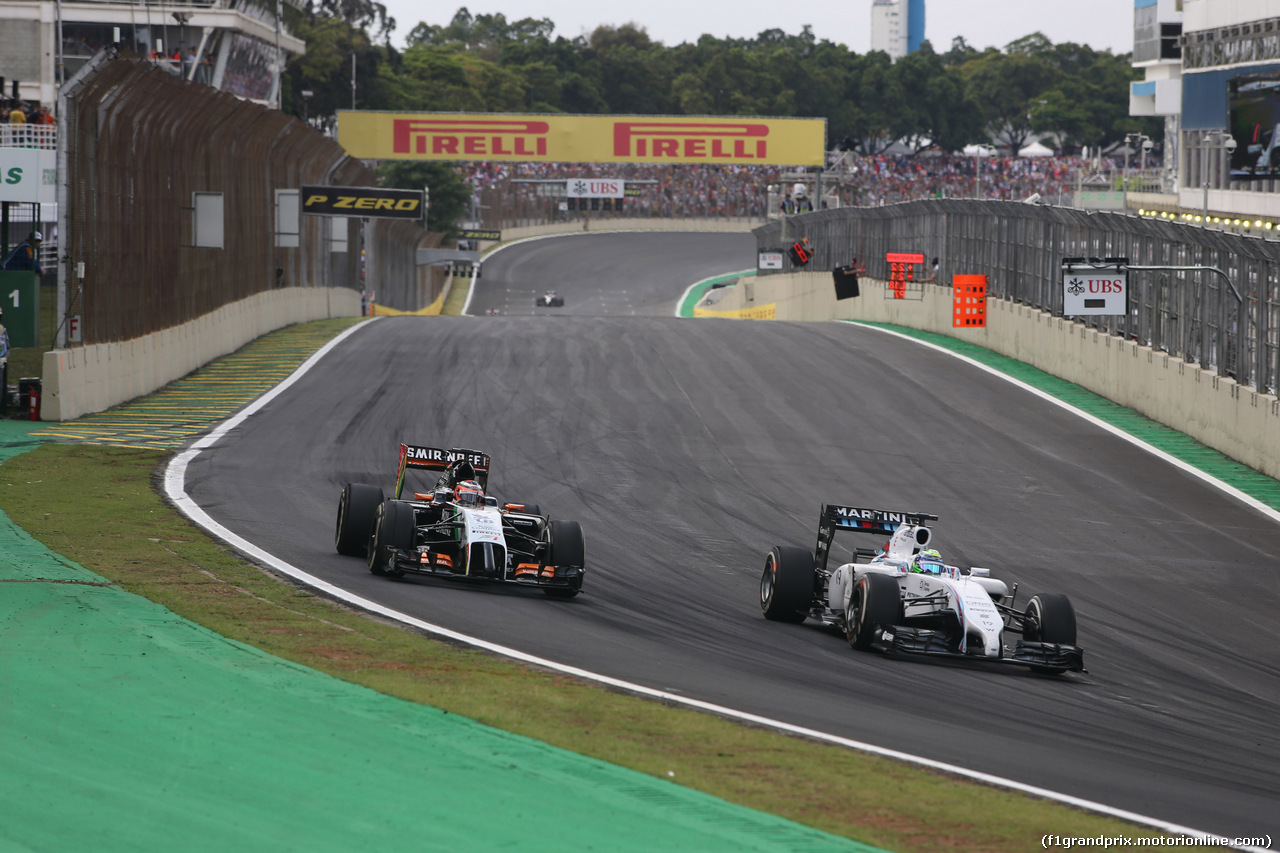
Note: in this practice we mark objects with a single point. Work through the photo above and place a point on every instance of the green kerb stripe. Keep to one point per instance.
(169, 417)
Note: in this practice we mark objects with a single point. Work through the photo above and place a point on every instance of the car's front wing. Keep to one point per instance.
(1046, 657)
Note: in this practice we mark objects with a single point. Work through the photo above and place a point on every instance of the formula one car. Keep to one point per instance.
(550, 299)
(904, 598)
(455, 530)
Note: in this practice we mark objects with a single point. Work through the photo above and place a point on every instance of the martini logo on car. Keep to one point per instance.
(871, 514)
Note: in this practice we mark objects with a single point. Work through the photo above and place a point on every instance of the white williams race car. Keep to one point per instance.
(904, 598)
(550, 299)
(454, 530)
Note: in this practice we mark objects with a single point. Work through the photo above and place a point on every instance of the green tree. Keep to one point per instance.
(1004, 87)
(325, 70)
(635, 73)
(934, 111)
(450, 195)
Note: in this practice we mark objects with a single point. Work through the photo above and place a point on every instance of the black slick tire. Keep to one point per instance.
(392, 529)
(786, 587)
(568, 549)
(876, 603)
(357, 508)
(1050, 618)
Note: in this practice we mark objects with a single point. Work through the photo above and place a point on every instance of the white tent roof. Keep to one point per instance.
(1035, 149)
(979, 151)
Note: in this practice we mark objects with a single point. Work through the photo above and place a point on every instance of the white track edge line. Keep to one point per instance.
(1186, 467)
(175, 489)
(689, 289)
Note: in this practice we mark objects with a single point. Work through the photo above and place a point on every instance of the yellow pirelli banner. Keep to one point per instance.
(582, 139)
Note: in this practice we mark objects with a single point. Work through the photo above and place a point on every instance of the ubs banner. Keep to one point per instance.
(582, 139)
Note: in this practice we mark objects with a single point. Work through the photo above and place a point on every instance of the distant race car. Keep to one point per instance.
(454, 530)
(904, 598)
(550, 299)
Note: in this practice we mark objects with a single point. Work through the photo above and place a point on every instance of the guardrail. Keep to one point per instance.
(29, 136)
(1194, 315)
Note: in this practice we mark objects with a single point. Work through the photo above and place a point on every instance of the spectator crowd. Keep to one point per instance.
(510, 191)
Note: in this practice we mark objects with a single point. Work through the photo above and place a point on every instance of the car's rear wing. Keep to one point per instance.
(471, 464)
(882, 522)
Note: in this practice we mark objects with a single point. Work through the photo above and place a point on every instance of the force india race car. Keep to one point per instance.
(550, 299)
(455, 530)
(903, 598)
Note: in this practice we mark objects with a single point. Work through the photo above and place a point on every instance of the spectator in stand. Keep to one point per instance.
(18, 121)
(26, 255)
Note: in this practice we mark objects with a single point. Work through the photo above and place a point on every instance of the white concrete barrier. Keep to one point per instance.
(1238, 421)
(80, 380)
(637, 224)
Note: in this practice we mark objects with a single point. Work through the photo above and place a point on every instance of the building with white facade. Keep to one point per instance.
(1229, 152)
(234, 45)
(889, 27)
(897, 26)
(1157, 50)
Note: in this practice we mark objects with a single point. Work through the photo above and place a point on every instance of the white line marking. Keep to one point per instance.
(689, 289)
(175, 489)
(1229, 489)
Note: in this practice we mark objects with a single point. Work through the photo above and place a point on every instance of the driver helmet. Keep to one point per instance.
(468, 493)
(928, 562)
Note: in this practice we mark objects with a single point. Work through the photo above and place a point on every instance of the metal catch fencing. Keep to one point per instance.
(1227, 323)
(137, 144)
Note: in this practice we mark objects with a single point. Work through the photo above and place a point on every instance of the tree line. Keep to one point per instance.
(1073, 95)
(485, 63)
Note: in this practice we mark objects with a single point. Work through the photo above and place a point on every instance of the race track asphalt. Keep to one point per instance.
(688, 448)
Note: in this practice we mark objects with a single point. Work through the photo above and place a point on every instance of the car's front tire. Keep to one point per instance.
(1050, 618)
(568, 548)
(876, 603)
(357, 508)
(786, 587)
(393, 528)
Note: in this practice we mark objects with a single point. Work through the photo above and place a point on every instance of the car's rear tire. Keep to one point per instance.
(393, 528)
(568, 548)
(1050, 618)
(357, 508)
(876, 603)
(786, 587)
(531, 509)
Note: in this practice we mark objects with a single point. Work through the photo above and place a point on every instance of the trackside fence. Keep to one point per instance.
(1224, 323)
(138, 143)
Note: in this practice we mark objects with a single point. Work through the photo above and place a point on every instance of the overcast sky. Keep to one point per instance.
(1101, 24)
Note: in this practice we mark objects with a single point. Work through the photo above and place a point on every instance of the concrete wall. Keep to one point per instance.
(81, 380)
(638, 224)
(1238, 421)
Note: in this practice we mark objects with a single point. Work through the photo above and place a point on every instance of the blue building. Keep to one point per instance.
(915, 25)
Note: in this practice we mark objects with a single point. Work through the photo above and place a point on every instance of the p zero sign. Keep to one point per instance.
(582, 139)
(362, 201)
(1094, 289)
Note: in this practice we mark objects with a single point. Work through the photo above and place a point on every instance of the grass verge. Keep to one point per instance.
(99, 507)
